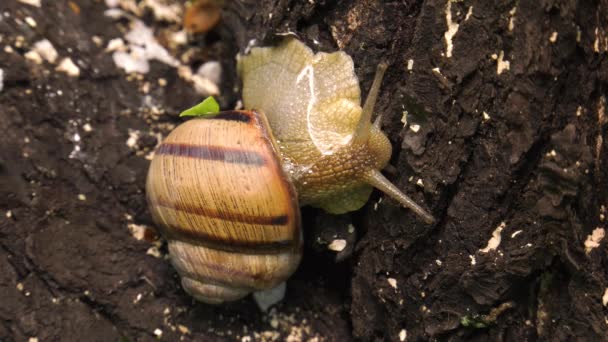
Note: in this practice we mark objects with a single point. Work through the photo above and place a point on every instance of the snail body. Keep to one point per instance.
(330, 149)
(217, 191)
(226, 189)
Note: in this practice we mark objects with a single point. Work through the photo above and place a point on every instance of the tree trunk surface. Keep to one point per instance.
(497, 115)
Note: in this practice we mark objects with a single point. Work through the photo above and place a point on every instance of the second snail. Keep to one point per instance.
(225, 190)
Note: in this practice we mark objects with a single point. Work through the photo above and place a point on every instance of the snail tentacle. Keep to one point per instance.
(378, 181)
(363, 127)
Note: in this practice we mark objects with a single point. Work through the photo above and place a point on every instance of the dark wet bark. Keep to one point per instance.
(523, 150)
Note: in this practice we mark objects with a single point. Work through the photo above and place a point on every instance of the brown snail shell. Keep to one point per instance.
(218, 192)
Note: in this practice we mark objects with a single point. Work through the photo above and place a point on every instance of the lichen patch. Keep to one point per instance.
(451, 31)
(501, 63)
(494, 241)
(594, 239)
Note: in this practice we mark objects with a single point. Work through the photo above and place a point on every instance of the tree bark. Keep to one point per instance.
(497, 115)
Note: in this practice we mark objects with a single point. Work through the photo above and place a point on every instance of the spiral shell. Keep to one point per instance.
(218, 192)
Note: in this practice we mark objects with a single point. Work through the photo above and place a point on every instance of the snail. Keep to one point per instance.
(330, 148)
(226, 189)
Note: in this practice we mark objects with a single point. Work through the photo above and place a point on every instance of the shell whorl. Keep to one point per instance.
(219, 194)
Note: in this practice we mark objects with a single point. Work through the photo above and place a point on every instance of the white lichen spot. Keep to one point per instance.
(494, 241)
(594, 239)
(415, 128)
(512, 18)
(67, 66)
(20, 287)
(473, 260)
(605, 297)
(203, 85)
(437, 71)
(142, 48)
(137, 230)
(451, 31)
(82, 197)
(87, 127)
(516, 233)
(9, 214)
(351, 228)
(97, 40)
(579, 111)
(158, 333)
(35, 3)
(33, 56)
(420, 183)
(183, 329)
(133, 138)
(486, 116)
(469, 13)
(501, 63)
(137, 298)
(116, 44)
(410, 64)
(402, 335)
(170, 12)
(438, 262)
(553, 37)
(337, 245)
(30, 21)
(179, 38)
(32, 339)
(596, 42)
(404, 117)
(131, 62)
(392, 282)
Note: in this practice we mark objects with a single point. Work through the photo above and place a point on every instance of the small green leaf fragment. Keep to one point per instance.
(206, 108)
(473, 322)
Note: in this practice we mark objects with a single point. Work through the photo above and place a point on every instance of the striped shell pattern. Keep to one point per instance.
(218, 192)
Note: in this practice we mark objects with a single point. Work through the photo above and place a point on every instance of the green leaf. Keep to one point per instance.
(206, 108)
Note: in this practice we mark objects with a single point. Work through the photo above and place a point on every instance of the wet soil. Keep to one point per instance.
(504, 139)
